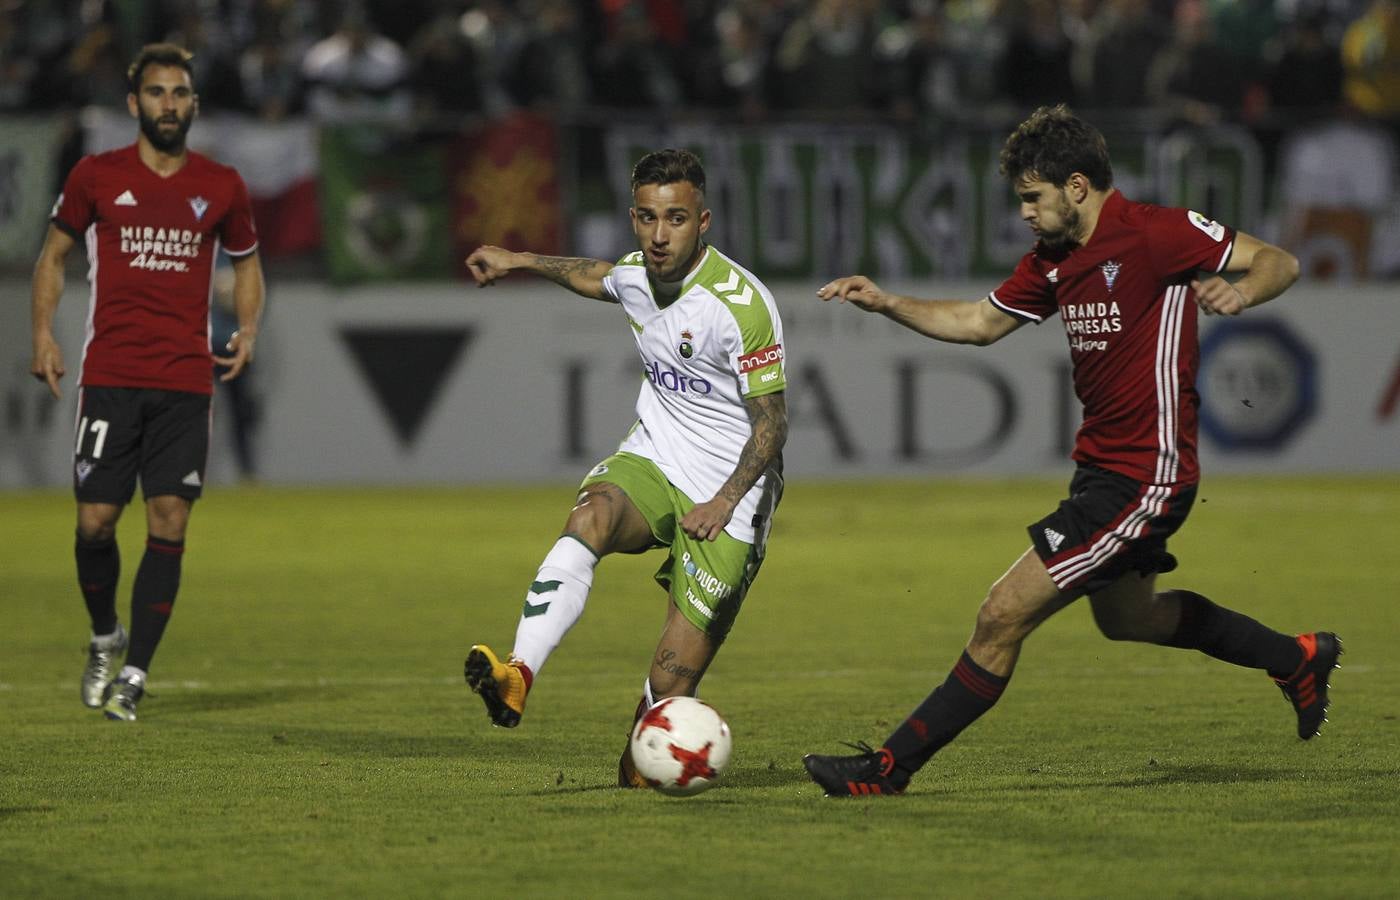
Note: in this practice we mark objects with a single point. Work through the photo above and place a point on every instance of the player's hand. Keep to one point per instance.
(488, 263)
(1218, 296)
(47, 365)
(855, 289)
(240, 347)
(706, 521)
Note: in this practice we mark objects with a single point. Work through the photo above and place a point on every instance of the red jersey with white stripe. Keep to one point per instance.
(151, 244)
(1129, 313)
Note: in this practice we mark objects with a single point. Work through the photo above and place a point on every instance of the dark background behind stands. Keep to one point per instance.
(1305, 77)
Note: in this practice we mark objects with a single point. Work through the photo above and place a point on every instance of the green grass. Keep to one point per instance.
(308, 734)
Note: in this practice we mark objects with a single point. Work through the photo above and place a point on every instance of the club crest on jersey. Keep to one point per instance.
(1110, 272)
(200, 206)
(686, 348)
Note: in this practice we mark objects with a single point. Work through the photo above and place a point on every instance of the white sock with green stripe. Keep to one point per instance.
(555, 601)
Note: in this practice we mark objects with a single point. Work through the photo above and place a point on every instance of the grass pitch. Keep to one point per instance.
(307, 732)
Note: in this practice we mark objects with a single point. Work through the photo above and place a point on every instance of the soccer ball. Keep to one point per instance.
(680, 746)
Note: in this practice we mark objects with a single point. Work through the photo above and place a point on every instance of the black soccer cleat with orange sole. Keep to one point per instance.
(869, 772)
(1306, 688)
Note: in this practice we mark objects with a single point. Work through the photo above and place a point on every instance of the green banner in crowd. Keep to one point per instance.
(809, 200)
(385, 205)
(29, 152)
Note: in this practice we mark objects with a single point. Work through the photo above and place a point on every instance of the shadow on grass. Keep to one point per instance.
(1155, 776)
(206, 700)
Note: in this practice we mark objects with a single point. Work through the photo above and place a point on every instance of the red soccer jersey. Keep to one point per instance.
(151, 244)
(1130, 315)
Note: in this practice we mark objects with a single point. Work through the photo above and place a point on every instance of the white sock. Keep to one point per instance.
(646, 692)
(555, 601)
(108, 641)
(131, 673)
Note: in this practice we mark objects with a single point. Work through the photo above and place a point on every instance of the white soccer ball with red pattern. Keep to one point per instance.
(680, 746)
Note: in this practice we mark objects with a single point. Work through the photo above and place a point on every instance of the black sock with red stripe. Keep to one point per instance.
(969, 691)
(1229, 636)
(152, 598)
(99, 567)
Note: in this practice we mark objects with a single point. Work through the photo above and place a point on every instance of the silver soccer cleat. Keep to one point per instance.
(121, 705)
(101, 668)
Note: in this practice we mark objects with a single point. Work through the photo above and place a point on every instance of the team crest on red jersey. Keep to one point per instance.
(1110, 271)
(199, 205)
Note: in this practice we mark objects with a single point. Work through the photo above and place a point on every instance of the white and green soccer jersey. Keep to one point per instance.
(717, 343)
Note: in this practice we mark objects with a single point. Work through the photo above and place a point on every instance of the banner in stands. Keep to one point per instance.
(278, 162)
(812, 200)
(442, 383)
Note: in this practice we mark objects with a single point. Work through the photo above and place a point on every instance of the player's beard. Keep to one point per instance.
(678, 268)
(1067, 234)
(166, 140)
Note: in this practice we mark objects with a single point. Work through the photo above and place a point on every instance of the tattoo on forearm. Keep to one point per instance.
(666, 662)
(768, 420)
(564, 270)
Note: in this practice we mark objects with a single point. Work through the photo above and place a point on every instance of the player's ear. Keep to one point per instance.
(194, 106)
(131, 106)
(704, 220)
(1078, 187)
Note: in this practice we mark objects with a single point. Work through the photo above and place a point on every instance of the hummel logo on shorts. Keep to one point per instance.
(1055, 539)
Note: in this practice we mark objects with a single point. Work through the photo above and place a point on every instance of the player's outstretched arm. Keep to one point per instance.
(47, 288)
(1269, 271)
(768, 433)
(248, 293)
(955, 321)
(583, 276)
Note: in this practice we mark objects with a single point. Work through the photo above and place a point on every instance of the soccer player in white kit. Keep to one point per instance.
(699, 473)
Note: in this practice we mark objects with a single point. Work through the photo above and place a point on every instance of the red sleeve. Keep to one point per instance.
(1028, 294)
(73, 212)
(1184, 241)
(238, 233)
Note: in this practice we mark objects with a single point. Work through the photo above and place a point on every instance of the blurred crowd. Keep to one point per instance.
(1201, 60)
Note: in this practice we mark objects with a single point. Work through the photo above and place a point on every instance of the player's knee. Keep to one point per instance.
(96, 532)
(592, 517)
(999, 619)
(96, 526)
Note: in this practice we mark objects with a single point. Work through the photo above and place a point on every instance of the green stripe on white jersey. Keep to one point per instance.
(719, 342)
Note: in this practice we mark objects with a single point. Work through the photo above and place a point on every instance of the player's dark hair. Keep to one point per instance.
(667, 167)
(158, 55)
(1052, 145)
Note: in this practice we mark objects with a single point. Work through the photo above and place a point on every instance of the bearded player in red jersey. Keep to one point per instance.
(1123, 277)
(153, 216)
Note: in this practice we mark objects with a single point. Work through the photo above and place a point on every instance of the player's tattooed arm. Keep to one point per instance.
(582, 276)
(768, 433)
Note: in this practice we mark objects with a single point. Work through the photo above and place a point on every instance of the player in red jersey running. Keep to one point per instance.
(1123, 278)
(153, 216)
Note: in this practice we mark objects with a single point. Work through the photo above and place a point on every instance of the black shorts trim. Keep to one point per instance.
(1108, 526)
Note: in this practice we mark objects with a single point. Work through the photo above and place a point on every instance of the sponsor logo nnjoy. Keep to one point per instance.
(760, 358)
